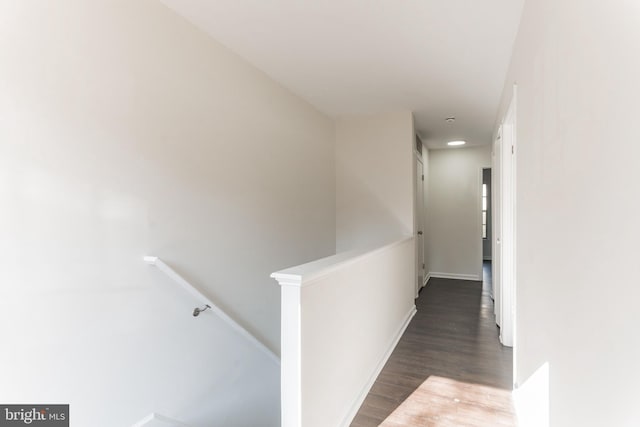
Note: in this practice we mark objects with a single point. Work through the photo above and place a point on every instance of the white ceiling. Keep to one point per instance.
(437, 58)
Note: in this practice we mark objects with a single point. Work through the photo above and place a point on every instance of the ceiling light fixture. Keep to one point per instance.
(453, 143)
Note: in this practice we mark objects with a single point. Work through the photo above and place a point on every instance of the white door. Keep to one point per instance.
(420, 272)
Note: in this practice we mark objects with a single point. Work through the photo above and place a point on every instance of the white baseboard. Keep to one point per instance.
(439, 275)
(426, 279)
(353, 411)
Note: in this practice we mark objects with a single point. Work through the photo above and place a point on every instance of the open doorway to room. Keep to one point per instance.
(487, 282)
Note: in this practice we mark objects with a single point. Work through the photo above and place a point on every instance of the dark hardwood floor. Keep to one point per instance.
(449, 368)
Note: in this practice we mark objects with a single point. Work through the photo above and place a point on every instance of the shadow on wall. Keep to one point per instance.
(145, 352)
(367, 218)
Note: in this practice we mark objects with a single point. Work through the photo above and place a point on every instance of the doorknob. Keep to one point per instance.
(419, 233)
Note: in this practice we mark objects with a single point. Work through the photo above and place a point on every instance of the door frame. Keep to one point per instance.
(419, 218)
(479, 210)
(496, 246)
(505, 239)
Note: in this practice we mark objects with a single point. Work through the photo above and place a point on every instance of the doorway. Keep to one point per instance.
(486, 227)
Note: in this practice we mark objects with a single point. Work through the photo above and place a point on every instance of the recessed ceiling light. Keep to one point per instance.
(456, 142)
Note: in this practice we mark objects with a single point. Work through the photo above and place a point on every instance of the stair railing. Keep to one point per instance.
(209, 305)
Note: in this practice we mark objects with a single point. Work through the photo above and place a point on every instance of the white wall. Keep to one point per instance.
(454, 200)
(126, 132)
(578, 181)
(333, 345)
(374, 179)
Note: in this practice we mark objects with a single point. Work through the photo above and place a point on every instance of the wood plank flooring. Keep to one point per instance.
(449, 369)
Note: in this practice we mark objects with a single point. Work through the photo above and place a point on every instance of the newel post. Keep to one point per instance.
(291, 349)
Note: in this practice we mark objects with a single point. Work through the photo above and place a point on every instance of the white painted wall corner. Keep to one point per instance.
(531, 399)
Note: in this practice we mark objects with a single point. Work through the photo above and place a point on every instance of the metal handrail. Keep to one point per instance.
(162, 266)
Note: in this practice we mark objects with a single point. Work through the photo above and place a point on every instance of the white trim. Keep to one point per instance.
(419, 223)
(496, 221)
(161, 419)
(291, 372)
(508, 224)
(172, 274)
(307, 274)
(426, 279)
(440, 275)
(489, 209)
(357, 403)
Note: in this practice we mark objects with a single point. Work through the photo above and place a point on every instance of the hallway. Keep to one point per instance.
(449, 368)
